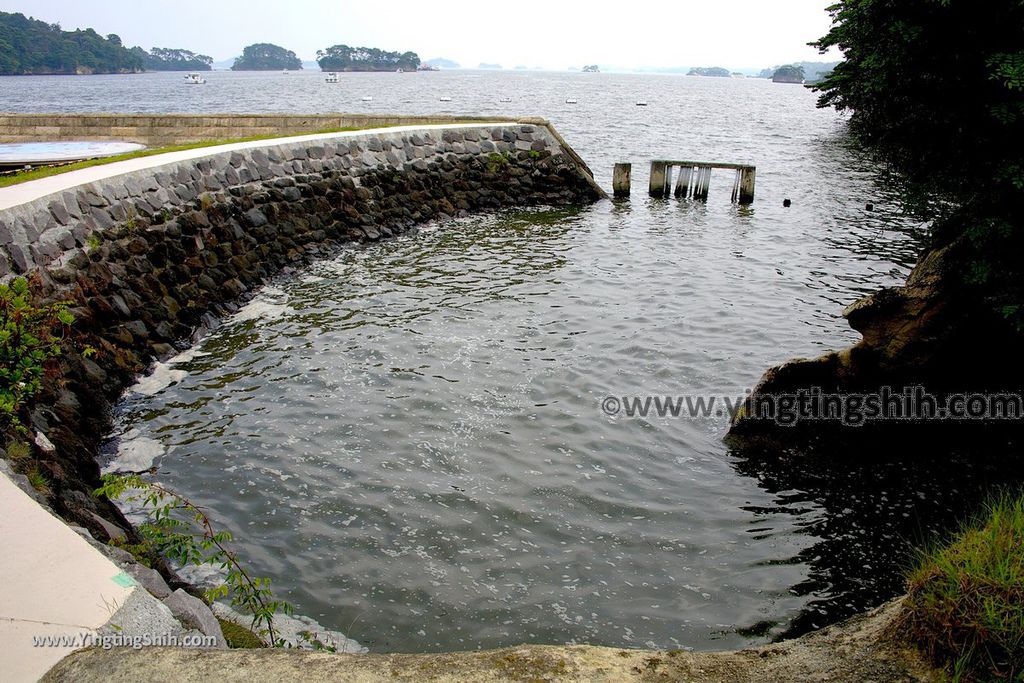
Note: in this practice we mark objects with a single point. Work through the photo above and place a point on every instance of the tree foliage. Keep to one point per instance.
(937, 86)
(173, 59)
(29, 46)
(345, 58)
(266, 57)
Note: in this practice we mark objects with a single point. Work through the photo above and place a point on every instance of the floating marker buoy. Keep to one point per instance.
(869, 206)
(641, 103)
(786, 203)
(571, 100)
(445, 99)
(505, 99)
(367, 99)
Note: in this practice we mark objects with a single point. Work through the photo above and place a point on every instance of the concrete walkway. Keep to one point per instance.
(23, 193)
(52, 583)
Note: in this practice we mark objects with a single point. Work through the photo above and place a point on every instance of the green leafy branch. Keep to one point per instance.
(181, 531)
(29, 336)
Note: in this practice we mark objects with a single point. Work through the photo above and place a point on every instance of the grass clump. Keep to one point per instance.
(966, 602)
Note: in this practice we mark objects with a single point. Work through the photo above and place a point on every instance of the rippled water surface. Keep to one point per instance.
(409, 437)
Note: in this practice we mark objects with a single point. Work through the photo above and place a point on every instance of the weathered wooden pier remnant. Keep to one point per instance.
(621, 179)
(695, 179)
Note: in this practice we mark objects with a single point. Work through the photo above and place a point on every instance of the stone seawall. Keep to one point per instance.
(157, 130)
(150, 256)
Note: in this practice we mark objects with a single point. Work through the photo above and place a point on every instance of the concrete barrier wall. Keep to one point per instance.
(159, 130)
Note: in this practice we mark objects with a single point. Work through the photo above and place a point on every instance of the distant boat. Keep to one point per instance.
(194, 79)
(367, 99)
(505, 99)
(641, 103)
(445, 98)
(331, 78)
(399, 70)
(571, 100)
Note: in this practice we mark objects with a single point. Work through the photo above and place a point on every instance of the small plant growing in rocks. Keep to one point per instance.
(496, 161)
(30, 335)
(181, 531)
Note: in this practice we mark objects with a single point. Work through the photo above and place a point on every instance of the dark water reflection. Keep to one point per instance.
(408, 438)
(873, 512)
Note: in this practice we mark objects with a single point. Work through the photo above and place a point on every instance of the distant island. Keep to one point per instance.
(266, 57)
(813, 71)
(442, 63)
(790, 73)
(715, 71)
(485, 65)
(591, 69)
(345, 58)
(172, 59)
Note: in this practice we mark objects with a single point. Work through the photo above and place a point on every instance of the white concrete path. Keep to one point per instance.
(23, 193)
(52, 583)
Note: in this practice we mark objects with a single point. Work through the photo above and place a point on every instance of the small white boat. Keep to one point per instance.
(367, 99)
(444, 99)
(571, 100)
(331, 78)
(641, 103)
(194, 79)
(505, 99)
(399, 70)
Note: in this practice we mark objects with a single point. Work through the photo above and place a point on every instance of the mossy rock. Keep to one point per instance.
(239, 636)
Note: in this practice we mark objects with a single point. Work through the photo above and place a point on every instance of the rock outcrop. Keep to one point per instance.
(936, 337)
(866, 648)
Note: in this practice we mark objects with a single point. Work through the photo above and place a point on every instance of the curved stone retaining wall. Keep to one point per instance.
(150, 256)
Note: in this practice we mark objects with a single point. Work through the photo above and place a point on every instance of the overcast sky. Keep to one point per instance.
(731, 33)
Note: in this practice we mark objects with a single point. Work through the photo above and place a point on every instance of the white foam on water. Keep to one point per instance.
(266, 305)
(135, 453)
(161, 377)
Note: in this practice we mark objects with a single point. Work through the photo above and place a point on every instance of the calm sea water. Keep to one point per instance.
(409, 437)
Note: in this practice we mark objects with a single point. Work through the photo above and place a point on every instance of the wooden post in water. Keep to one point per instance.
(747, 176)
(657, 187)
(683, 185)
(705, 183)
(735, 186)
(621, 179)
